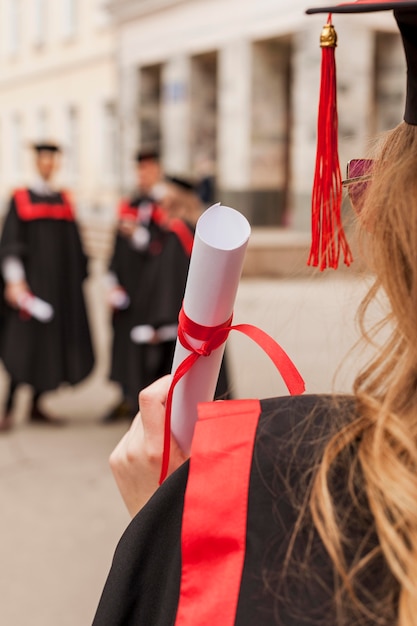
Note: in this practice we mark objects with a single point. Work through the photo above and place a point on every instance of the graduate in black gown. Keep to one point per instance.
(297, 511)
(45, 337)
(146, 281)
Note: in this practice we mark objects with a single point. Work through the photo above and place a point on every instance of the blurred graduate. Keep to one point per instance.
(146, 281)
(45, 336)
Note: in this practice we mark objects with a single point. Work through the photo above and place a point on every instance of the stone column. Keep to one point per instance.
(203, 102)
(234, 129)
(128, 125)
(271, 131)
(306, 79)
(390, 81)
(175, 115)
(150, 80)
(355, 88)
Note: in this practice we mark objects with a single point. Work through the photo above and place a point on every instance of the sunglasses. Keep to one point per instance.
(358, 176)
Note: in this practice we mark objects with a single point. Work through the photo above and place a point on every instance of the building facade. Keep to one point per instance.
(226, 88)
(230, 88)
(58, 82)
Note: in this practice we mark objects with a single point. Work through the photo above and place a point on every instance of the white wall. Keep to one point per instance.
(54, 69)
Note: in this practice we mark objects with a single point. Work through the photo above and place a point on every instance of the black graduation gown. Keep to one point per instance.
(154, 280)
(45, 355)
(143, 586)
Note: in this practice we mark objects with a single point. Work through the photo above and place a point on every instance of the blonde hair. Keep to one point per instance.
(182, 203)
(384, 433)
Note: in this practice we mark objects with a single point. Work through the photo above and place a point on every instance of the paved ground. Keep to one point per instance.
(61, 515)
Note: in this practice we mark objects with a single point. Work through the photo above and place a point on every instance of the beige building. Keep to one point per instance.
(225, 87)
(58, 80)
(232, 85)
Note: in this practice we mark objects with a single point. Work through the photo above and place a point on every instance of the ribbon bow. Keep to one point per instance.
(213, 337)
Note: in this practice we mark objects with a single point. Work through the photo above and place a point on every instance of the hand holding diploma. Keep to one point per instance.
(221, 238)
(145, 333)
(220, 242)
(136, 460)
(118, 298)
(35, 307)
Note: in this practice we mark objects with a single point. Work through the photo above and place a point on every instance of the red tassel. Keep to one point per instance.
(328, 237)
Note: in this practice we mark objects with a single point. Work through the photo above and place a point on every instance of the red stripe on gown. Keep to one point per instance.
(28, 210)
(215, 512)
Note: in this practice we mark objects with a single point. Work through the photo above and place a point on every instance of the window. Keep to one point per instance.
(110, 146)
(14, 30)
(150, 103)
(72, 144)
(102, 14)
(16, 146)
(69, 17)
(39, 22)
(42, 124)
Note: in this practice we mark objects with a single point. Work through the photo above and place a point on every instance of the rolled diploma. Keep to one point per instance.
(220, 242)
(36, 307)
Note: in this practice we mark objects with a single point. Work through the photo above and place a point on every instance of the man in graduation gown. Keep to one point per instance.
(146, 280)
(45, 337)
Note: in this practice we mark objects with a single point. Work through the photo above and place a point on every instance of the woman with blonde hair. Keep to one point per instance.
(301, 510)
(181, 200)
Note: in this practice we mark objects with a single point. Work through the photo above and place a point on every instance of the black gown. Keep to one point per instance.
(42, 233)
(144, 584)
(154, 279)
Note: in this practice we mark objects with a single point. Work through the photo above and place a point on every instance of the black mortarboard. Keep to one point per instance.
(328, 238)
(46, 146)
(183, 183)
(405, 12)
(147, 154)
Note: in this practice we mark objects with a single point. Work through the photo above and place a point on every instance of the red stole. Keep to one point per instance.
(28, 210)
(160, 218)
(215, 512)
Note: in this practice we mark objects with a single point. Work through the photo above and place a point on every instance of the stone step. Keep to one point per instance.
(271, 252)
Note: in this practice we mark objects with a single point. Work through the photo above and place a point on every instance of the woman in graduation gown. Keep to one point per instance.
(298, 510)
(41, 255)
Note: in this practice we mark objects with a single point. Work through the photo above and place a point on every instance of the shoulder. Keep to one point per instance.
(66, 195)
(306, 417)
(293, 432)
(288, 432)
(183, 233)
(127, 208)
(20, 199)
(20, 192)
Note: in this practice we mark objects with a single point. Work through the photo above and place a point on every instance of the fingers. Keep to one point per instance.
(136, 460)
(152, 402)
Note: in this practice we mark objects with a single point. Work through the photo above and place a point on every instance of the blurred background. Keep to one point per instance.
(226, 88)
(228, 91)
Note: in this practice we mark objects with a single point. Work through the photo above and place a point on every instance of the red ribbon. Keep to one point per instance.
(213, 337)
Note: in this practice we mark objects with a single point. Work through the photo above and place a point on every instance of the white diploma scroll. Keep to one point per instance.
(119, 299)
(36, 307)
(220, 242)
(147, 334)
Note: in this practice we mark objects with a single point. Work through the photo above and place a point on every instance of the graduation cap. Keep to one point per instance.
(46, 146)
(328, 238)
(147, 154)
(184, 183)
